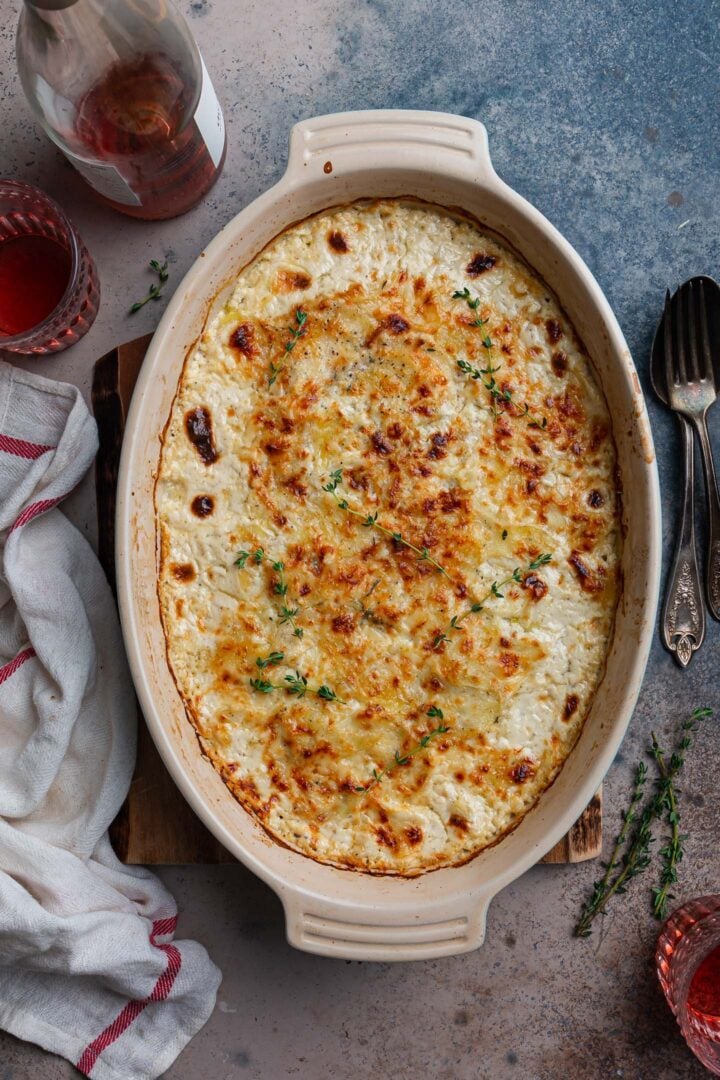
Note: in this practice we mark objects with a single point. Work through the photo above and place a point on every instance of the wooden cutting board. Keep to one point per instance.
(155, 824)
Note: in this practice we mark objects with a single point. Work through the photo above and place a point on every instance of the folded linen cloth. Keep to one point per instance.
(87, 967)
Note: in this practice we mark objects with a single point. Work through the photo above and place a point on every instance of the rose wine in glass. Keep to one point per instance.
(688, 965)
(49, 290)
(120, 87)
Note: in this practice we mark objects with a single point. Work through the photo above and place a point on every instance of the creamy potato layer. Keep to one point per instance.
(389, 537)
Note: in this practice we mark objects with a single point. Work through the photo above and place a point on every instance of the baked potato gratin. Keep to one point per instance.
(389, 537)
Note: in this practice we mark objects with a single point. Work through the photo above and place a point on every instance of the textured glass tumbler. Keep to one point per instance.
(688, 937)
(27, 211)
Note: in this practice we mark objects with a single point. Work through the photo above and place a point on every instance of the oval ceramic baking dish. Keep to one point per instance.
(335, 159)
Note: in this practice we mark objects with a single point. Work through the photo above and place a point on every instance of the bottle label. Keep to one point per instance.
(106, 179)
(209, 118)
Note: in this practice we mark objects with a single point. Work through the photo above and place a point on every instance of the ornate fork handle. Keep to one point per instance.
(684, 614)
(712, 573)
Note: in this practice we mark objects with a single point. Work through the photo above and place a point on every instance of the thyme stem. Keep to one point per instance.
(497, 393)
(601, 891)
(404, 759)
(636, 857)
(296, 332)
(154, 291)
(494, 591)
(672, 853)
(287, 614)
(296, 685)
(370, 521)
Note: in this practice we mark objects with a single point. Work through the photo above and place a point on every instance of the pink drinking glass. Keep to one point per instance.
(26, 210)
(687, 938)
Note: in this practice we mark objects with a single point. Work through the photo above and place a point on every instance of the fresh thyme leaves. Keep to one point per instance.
(296, 332)
(155, 290)
(541, 560)
(404, 759)
(280, 588)
(636, 838)
(478, 373)
(287, 615)
(493, 593)
(602, 889)
(533, 421)
(672, 853)
(465, 295)
(296, 685)
(272, 658)
(473, 304)
(370, 521)
(498, 394)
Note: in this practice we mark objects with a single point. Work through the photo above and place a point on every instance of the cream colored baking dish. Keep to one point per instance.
(334, 159)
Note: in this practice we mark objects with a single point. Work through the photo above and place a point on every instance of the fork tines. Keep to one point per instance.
(688, 358)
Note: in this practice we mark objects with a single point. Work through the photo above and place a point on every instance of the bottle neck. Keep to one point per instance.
(73, 43)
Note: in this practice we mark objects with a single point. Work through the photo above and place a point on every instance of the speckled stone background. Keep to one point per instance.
(605, 115)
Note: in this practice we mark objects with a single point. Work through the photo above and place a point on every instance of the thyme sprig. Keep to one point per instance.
(404, 759)
(601, 891)
(673, 852)
(155, 290)
(478, 373)
(296, 332)
(636, 834)
(494, 592)
(498, 394)
(287, 614)
(296, 685)
(474, 304)
(272, 658)
(370, 521)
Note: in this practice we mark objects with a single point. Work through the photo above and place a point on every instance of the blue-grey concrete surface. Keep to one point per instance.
(604, 115)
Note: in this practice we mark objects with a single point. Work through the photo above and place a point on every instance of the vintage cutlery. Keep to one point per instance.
(683, 617)
(692, 388)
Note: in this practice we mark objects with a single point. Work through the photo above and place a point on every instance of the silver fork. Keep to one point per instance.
(693, 390)
(683, 616)
(692, 323)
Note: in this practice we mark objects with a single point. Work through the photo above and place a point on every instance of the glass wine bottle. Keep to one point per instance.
(121, 88)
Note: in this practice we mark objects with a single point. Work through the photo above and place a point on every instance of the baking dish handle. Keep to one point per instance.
(349, 931)
(389, 138)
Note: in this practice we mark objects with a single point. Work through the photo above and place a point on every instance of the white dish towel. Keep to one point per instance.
(87, 964)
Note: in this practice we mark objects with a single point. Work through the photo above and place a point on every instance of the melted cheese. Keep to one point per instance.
(484, 481)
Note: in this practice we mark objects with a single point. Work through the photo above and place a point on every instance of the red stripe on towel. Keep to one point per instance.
(32, 511)
(11, 667)
(22, 448)
(160, 928)
(163, 927)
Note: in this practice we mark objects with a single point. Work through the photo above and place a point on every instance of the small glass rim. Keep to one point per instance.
(8, 188)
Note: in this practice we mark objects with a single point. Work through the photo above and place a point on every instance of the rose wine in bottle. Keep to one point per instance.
(121, 89)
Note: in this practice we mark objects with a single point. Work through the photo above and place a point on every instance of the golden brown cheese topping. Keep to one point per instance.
(389, 537)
